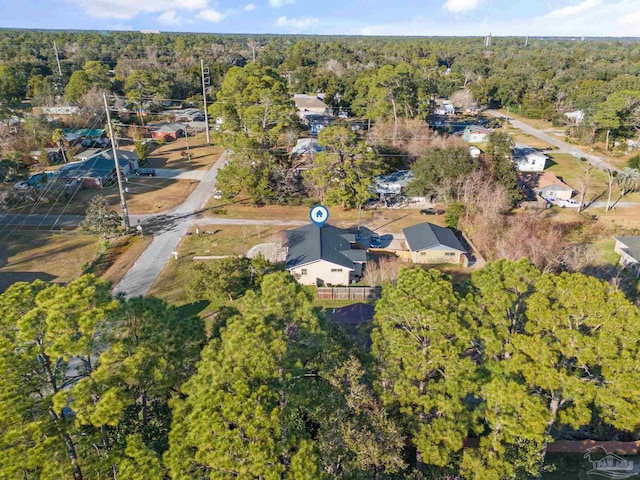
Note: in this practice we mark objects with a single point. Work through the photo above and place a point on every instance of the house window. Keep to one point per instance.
(449, 254)
(336, 270)
(424, 254)
(303, 271)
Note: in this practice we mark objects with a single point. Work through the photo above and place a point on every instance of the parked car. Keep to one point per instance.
(217, 194)
(568, 203)
(375, 242)
(431, 211)
(146, 172)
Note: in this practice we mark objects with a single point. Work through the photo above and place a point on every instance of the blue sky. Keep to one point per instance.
(351, 17)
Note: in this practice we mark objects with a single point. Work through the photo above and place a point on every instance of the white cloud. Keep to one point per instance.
(281, 3)
(632, 18)
(169, 18)
(457, 6)
(609, 19)
(250, 7)
(211, 15)
(298, 24)
(572, 10)
(127, 9)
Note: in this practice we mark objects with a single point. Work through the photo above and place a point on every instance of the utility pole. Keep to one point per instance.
(205, 83)
(55, 49)
(186, 137)
(123, 202)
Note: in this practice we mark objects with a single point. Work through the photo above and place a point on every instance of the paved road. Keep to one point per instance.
(180, 174)
(562, 146)
(139, 279)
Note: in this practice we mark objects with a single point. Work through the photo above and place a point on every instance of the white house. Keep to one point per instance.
(324, 256)
(445, 107)
(393, 183)
(528, 159)
(475, 134)
(629, 250)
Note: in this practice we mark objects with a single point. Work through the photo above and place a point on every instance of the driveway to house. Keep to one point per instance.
(180, 174)
(563, 147)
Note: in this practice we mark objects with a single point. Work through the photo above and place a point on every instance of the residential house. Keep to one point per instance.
(528, 159)
(54, 155)
(303, 154)
(324, 255)
(476, 134)
(56, 113)
(168, 131)
(629, 250)
(311, 103)
(392, 184)
(545, 185)
(99, 170)
(86, 137)
(444, 107)
(432, 244)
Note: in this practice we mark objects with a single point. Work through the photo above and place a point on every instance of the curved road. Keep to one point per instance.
(563, 147)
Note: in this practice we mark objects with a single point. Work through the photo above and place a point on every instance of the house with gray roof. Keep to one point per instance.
(324, 255)
(629, 250)
(432, 244)
(99, 170)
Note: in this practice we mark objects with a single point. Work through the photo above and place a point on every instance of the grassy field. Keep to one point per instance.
(170, 155)
(378, 220)
(61, 257)
(55, 257)
(222, 240)
(616, 157)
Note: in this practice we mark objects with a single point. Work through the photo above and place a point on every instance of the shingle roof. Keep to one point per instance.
(309, 243)
(632, 245)
(427, 235)
(308, 101)
(100, 165)
(169, 128)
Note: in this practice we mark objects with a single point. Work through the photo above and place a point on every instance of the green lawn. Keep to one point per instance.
(606, 255)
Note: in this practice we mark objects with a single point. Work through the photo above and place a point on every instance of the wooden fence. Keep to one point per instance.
(348, 293)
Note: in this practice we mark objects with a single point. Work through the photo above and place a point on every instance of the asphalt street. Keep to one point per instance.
(563, 147)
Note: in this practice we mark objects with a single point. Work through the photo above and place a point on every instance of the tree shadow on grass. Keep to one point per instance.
(194, 308)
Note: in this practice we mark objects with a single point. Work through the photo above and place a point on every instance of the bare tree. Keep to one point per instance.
(611, 176)
(463, 99)
(253, 45)
(585, 181)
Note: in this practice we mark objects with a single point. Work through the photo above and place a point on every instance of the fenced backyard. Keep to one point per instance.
(348, 293)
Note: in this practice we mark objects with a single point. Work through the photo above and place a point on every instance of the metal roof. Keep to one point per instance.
(425, 236)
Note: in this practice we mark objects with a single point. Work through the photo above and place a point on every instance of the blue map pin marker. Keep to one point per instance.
(319, 215)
